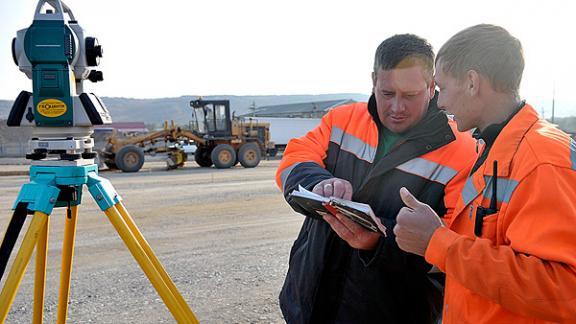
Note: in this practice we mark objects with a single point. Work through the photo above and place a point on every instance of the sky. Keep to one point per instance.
(170, 48)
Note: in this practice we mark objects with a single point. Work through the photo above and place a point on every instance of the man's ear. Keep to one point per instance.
(432, 89)
(374, 77)
(472, 83)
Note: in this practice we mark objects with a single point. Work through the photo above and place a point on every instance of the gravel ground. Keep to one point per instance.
(222, 235)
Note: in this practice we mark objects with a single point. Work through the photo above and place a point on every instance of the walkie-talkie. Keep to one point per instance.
(482, 212)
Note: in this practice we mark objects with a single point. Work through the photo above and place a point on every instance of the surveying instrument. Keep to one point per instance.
(56, 55)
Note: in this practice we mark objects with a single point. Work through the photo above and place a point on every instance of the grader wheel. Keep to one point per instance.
(130, 158)
(202, 157)
(223, 156)
(249, 155)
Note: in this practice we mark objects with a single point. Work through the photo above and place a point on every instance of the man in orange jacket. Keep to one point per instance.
(509, 252)
(338, 271)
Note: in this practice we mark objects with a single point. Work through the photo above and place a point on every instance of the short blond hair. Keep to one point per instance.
(487, 49)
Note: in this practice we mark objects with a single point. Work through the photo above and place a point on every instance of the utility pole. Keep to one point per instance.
(553, 100)
(253, 108)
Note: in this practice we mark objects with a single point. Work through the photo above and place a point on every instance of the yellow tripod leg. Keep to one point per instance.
(146, 265)
(40, 275)
(142, 241)
(20, 263)
(66, 268)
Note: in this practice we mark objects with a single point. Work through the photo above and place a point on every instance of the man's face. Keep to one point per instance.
(454, 99)
(402, 96)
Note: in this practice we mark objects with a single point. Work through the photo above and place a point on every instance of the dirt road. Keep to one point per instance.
(223, 236)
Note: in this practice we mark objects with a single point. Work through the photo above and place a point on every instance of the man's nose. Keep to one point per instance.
(440, 102)
(397, 105)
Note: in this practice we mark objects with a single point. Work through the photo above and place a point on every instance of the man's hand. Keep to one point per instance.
(355, 235)
(334, 187)
(415, 224)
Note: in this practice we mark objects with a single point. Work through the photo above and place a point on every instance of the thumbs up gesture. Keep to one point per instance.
(415, 224)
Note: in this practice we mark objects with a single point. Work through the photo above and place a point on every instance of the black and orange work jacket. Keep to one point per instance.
(327, 280)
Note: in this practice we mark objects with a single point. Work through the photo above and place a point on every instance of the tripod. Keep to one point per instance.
(56, 185)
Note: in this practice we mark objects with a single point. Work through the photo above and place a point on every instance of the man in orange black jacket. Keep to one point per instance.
(339, 272)
(509, 251)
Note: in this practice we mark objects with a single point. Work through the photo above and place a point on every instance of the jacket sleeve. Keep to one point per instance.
(461, 159)
(453, 189)
(303, 161)
(534, 273)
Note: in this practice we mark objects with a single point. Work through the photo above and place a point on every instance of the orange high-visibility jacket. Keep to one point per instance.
(522, 268)
(327, 280)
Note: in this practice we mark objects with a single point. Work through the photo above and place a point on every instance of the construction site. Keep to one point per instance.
(162, 240)
(186, 223)
(214, 218)
(148, 206)
(223, 236)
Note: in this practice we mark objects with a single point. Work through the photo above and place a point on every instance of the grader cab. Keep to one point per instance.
(227, 140)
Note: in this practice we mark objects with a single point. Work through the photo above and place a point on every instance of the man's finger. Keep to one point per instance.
(409, 200)
(350, 225)
(396, 230)
(318, 189)
(403, 214)
(340, 229)
(339, 189)
(328, 189)
(348, 191)
(342, 189)
(381, 227)
(323, 188)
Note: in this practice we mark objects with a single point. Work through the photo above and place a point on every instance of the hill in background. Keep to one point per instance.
(153, 112)
(156, 111)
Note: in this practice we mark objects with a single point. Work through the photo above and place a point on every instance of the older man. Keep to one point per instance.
(338, 271)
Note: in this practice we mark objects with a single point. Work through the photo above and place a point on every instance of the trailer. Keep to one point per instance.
(283, 129)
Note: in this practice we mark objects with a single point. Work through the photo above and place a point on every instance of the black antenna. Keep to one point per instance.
(494, 199)
(482, 212)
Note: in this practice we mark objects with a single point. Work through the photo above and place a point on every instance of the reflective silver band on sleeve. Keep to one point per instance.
(284, 175)
(427, 169)
(353, 144)
(469, 192)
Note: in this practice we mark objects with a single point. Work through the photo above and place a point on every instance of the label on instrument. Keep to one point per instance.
(51, 108)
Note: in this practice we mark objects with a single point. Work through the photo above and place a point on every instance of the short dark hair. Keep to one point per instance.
(405, 50)
(487, 49)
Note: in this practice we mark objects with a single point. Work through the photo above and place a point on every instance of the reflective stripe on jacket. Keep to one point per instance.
(329, 281)
(522, 269)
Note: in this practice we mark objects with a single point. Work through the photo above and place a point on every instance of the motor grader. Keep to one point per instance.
(227, 141)
(221, 141)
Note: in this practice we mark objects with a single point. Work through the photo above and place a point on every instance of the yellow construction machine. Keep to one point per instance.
(221, 141)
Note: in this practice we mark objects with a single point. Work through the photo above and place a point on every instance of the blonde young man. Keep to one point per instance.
(509, 251)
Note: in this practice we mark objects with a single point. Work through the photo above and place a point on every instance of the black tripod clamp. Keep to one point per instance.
(12, 233)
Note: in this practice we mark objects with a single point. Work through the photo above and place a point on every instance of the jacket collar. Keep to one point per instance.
(491, 132)
(508, 140)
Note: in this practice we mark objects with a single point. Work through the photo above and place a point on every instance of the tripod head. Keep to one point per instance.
(56, 55)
